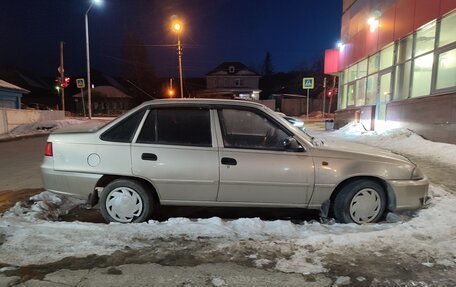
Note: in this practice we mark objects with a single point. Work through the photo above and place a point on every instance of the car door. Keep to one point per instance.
(174, 151)
(255, 166)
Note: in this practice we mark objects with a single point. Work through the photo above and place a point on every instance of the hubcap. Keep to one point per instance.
(124, 204)
(365, 205)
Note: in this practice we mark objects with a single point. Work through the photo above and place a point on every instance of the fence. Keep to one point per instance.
(11, 118)
(298, 106)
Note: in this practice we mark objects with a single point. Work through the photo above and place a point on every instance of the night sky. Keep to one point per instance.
(296, 32)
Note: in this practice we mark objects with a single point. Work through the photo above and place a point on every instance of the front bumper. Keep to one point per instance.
(409, 194)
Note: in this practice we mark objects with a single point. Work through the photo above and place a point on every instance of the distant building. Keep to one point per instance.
(231, 80)
(109, 96)
(106, 100)
(40, 91)
(10, 95)
(397, 66)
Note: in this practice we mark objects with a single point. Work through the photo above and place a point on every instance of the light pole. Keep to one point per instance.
(89, 84)
(177, 27)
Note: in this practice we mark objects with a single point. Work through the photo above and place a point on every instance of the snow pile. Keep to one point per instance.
(431, 231)
(400, 140)
(43, 206)
(43, 127)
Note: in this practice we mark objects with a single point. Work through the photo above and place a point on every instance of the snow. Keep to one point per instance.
(400, 140)
(31, 237)
(218, 282)
(6, 85)
(55, 240)
(43, 127)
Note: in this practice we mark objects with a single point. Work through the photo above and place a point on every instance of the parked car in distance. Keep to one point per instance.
(294, 121)
(202, 152)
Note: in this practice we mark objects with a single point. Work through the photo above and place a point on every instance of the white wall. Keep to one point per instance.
(11, 118)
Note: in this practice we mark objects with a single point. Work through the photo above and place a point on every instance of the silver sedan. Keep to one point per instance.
(201, 152)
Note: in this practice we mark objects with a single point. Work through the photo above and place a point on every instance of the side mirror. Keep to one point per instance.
(291, 144)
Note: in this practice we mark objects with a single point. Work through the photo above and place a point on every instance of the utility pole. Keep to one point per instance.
(324, 95)
(332, 94)
(179, 53)
(62, 76)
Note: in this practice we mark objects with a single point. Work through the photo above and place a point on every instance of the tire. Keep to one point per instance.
(360, 201)
(125, 201)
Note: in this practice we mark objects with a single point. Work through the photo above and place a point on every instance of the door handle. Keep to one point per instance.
(149, 156)
(229, 161)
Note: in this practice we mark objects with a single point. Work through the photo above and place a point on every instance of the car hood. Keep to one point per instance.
(89, 127)
(345, 149)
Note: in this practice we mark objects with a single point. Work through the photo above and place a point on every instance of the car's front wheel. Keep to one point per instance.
(360, 201)
(125, 200)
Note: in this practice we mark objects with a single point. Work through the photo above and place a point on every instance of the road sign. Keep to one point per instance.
(80, 83)
(307, 83)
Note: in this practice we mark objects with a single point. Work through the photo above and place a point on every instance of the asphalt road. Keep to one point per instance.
(20, 162)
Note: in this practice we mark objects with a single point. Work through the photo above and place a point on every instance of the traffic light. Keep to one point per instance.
(63, 84)
(331, 92)
(66, 82)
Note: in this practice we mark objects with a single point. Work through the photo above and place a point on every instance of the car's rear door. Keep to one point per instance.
(175, 151)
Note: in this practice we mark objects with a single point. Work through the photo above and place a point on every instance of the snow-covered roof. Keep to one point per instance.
(8, 86)
(106, 92)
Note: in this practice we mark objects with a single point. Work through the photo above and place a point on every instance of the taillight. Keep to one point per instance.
(48, 149)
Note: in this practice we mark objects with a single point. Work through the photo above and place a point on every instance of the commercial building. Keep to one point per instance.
(397, 66)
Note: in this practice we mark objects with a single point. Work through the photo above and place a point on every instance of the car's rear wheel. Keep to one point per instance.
(125, 200)
(360, 201)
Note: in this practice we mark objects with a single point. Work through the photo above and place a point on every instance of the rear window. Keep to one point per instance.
(187, 126)
(125, 129)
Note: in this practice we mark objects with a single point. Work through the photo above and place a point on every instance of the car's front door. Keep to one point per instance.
(254, 165)
(174, 151)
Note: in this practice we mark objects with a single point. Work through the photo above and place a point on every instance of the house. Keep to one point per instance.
(10, 95)
(108, 96)
(231, 80)
(40, 91)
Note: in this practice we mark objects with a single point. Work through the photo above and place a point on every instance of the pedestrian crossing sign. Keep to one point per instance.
(307, 83)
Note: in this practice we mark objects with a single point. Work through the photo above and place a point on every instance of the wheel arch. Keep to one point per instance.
(107, 178)
(389, 192)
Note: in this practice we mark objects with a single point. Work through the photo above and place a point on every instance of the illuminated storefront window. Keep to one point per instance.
(447, 30)
(446, 70)
(422, 75)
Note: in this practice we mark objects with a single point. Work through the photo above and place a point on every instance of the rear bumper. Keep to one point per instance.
(74, 184)
(410, 194)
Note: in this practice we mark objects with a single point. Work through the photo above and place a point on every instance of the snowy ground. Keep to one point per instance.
(399, 140)
(422, 245)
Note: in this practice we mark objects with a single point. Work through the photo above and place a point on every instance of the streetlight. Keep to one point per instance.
(177, 27)
(89, 85)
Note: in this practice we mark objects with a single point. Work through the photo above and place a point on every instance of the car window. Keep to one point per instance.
(125, 129)
(148, 130)
(187, 126)
(247, 129)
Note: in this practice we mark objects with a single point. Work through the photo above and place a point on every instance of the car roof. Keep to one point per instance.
(201, 101)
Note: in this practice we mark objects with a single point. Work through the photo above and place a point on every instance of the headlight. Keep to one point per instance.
(417, 173)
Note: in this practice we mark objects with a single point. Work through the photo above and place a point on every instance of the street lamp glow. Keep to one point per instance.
(177, 27)
(373, 23)
(97, 2)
